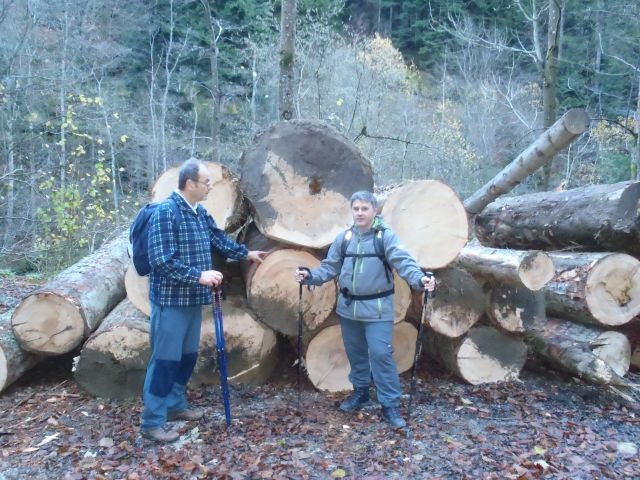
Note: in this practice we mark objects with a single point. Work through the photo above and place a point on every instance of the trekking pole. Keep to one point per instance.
(299, 361)
(419, 340)
(220, 351)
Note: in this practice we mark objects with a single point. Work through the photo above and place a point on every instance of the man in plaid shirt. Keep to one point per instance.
(181, 278)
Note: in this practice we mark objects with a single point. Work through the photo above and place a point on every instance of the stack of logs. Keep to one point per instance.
(553, 273)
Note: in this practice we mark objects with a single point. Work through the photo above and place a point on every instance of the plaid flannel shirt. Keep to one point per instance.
(179, 253)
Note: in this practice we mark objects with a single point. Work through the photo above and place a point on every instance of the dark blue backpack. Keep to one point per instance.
(139, 235)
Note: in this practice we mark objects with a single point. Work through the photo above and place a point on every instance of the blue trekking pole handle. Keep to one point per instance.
(221, 353)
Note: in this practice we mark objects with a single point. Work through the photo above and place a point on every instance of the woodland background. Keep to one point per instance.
(98, 98)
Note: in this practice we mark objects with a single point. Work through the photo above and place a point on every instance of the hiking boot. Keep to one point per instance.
(190, 414)
(356, 400)
(393, 418)
(160, 434)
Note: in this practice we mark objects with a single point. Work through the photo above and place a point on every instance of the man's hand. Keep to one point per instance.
(256, 256)
(301, 275)
(429, 282)
(211, 278)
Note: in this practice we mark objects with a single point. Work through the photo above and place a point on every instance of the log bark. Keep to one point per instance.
(14, 361)
(57, 317)
(457, 305)
(594, 288)
(113, 360)
(515, 308)
(569, 127)
(299, 177)
(483, 355)
(225, 201)
(577, 358)
(610, 346)
(273, 293)
(529, 268)
(327, 364)
(592, 218)
(431, 221)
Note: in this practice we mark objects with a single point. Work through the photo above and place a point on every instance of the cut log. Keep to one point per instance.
(225, 201)
(569, 127)
(529, 268)
(299, 177)
(273, 293)
(250, 346)
(137, 288)
(610, 346)
(113, 360)
(482, 355)
(582, 358)
(13, 360)
(401, 298)
(327, 363)
(515, 308)
(431, 221)
(592, 218)
(57, 317)
(457, 306)
(594, 288)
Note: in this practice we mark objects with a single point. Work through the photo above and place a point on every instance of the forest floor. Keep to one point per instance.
(544, 426)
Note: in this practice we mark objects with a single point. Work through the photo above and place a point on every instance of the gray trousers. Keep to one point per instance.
(370, 352)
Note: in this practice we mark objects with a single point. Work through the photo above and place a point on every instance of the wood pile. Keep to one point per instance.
(547, 279)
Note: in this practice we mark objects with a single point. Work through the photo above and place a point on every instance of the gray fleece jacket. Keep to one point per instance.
(366, 275)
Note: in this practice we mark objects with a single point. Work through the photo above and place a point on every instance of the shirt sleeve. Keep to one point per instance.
(222, 244)
(401, 260)
(163, 248)
(329, 267)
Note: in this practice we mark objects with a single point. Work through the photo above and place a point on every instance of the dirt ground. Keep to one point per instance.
(545, 426)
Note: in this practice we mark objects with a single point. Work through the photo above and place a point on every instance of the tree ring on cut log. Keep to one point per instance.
(273, 293)
(137, 288)
(327, 363)
(61, 321)
(487, 356)
(224, 201)
(613, 289)
(536, 270)
(430, 220)
(299, 177)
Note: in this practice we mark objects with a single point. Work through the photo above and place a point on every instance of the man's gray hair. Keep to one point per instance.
(365, 196)
(189, 171)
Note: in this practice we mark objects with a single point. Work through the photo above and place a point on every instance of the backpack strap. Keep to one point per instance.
(175, 208)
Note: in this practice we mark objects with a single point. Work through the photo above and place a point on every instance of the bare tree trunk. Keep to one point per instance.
(115, 191)
(562, 133)
(215, 31)
(62, 95)
(287, 59)
(550, 77)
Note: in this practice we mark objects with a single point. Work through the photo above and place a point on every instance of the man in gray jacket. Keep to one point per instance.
(362, 259)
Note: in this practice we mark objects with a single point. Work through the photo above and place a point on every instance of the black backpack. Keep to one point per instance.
(139, 235)
(378, 244)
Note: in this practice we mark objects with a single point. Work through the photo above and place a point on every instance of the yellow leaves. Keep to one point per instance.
(339, 102)
(123, 138)
(338, 473)
(79, 151)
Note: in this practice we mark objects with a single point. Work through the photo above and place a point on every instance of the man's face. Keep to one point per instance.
(363, 214)
(202, 186)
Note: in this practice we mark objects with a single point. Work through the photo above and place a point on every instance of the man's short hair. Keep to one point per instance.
(189, 171)
(365, 196)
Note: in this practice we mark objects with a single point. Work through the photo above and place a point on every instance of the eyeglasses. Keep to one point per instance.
(207, 183)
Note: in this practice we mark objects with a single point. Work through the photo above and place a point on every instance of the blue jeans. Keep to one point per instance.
(370, 353)
(175, 340)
